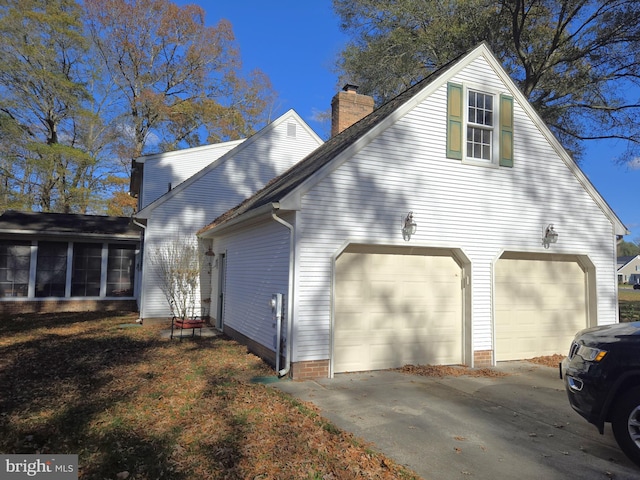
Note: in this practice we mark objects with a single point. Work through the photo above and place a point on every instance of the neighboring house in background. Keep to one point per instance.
(448, 226)
(65, 262)
(181, 191)
(629, 269)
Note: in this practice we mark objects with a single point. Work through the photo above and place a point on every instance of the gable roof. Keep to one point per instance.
(625, 260)
(146, 211)
(284, 184)
(284, 191)
(66, 224)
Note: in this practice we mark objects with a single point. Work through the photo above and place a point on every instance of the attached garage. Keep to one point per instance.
(540, 303)
(396, 306)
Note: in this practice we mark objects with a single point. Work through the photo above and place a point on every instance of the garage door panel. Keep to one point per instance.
(409, 311)
(539, 306)
(351, 356)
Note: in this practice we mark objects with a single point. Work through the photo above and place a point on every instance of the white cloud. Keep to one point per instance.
(634, 164)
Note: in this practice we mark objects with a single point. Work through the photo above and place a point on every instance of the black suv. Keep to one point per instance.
(602, 379)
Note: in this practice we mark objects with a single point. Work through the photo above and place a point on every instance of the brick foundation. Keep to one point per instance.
(310, 370)
(482, 358)
(299, 370)
(55, 306)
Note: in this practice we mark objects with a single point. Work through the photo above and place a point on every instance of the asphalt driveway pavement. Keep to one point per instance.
(518, 426)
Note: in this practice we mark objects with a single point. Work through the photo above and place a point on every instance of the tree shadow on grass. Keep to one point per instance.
(24, 323)
(56, 386)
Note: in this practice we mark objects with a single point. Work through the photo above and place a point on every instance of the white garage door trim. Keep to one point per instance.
(540, 302)
(392, 321)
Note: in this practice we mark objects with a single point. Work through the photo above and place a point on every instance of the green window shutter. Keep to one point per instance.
(454, 121)
(506, 131)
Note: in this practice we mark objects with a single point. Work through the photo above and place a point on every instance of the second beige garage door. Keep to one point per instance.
(393, 309)
(540, 305)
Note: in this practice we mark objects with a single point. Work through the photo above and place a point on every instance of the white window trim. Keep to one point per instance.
(494, 162)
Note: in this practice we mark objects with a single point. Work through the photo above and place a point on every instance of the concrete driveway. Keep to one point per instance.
(518, 426)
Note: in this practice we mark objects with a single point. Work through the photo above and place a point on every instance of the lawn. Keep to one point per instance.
(629, 302)
(135, 405)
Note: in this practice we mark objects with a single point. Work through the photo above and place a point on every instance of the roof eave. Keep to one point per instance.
(262, 211)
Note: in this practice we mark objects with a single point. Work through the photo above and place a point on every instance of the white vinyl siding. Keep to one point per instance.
(172, 168)
(481, 211)
(257, 266)
(215, 192)
(473, 212)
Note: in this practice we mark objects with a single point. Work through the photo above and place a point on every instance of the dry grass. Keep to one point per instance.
(629, 302)
(461, 370)
(629, 295)
(134, 405)
(450, 371)
(548, 361)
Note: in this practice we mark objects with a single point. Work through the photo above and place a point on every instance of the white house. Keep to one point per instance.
(181, 191)
(448, 226)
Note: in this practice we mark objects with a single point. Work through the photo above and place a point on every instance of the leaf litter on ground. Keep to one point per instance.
(132, 403)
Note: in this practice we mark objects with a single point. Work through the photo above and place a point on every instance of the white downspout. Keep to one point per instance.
(287, 367)
(139, 277)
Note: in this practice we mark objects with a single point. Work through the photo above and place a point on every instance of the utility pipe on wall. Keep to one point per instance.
(139, 279)
(287, 367)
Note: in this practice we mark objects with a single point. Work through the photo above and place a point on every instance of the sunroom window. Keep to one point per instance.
(15, 260)
(121, 270)
(64, 269)
(87, 265)
(51, 277)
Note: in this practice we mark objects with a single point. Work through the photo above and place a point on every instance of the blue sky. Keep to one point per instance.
(295, 42)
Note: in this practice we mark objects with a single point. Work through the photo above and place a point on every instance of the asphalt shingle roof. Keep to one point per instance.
(280, 186)
(67, 224)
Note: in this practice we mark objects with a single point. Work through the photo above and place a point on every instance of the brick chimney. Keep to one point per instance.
(347, 107)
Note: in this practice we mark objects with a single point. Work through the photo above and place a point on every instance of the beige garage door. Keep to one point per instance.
(540, 305)
(393, 309)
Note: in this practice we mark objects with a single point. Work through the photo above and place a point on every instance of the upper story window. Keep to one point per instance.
(479, 126)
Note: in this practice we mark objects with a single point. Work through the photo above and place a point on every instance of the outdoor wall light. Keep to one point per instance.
(409, 226)
(550, 236)
(209, 254)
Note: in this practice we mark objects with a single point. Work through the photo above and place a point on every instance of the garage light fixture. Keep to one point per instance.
(409, 226)
(550, 236)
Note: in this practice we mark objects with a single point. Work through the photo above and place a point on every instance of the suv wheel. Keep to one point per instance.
(626, 423)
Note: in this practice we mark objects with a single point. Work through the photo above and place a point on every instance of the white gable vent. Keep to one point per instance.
(291, 130)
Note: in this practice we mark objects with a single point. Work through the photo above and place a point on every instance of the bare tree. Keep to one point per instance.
(177, 264)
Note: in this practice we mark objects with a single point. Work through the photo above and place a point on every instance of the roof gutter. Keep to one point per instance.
(139, 280)
(287, 368)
